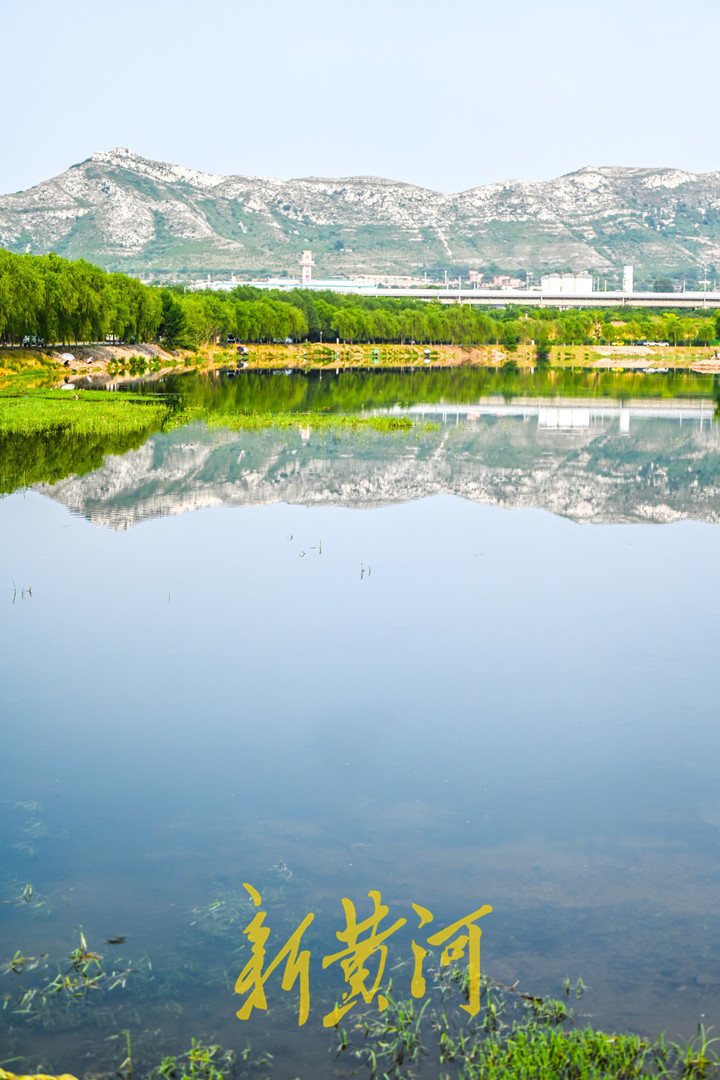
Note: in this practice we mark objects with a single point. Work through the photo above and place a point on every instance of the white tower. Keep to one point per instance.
(627, 279)
(306, 264)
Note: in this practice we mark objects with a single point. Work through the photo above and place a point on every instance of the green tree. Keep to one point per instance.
(705, 332)
(511, 335)
(22, 294)
(172, 322)
(344, 323)
(542, 349)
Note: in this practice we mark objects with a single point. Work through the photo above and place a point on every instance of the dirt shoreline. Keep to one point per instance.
(124, 363)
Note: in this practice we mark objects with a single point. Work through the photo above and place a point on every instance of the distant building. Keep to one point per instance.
(567, 284)
(306, 264)
(627, 279)
(504, 281)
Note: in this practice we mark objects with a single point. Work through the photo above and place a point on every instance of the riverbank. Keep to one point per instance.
(37, 368)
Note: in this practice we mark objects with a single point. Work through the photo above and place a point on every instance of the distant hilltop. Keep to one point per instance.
(125, 212)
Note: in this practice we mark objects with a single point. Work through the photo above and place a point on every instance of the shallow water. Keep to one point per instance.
(387, 663)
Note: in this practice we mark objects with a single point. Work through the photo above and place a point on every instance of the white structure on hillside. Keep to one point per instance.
(627, 279)
(567, 284)
(307, 264)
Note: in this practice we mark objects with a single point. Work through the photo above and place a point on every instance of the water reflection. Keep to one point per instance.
(322, 671)
(602, 461)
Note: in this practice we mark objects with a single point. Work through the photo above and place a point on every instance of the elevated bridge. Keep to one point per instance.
(538, 298)
(489, 297)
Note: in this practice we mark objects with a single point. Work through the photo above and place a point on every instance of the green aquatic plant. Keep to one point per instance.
(24, 897)
(392, 1041)
(579, 988)
(543, 1053)
(551, 1011)
(696, 1060)
(68, 986)
(126, 1069)
(18, 964)
(515, 1036)
(203, 1061)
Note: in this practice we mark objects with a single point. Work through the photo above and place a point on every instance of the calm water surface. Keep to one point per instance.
(472, 666)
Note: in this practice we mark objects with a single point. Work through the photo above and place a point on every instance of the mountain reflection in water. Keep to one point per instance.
(589, 460)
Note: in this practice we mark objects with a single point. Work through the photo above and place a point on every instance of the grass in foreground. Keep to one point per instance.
(514, 1037)
(551, 1054)
(531, 1051)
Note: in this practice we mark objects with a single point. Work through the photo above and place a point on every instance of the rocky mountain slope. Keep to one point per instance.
(128, 213)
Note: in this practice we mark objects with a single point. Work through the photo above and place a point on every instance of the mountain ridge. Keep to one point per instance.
(126, 212)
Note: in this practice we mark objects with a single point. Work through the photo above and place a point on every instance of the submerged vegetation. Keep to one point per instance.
(127, 1008)
(59, 989)
(200, 1062)
(203, 1061)
(515, 1037)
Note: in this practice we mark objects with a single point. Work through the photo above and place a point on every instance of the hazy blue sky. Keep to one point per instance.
(444, 94)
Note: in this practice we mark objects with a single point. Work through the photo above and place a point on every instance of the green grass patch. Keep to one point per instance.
(537, 1052)
(297, 421)
(83, 412)
(46, 436)
(513, 1037)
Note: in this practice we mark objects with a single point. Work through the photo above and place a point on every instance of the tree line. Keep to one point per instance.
(51, 299)
(44, 298)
